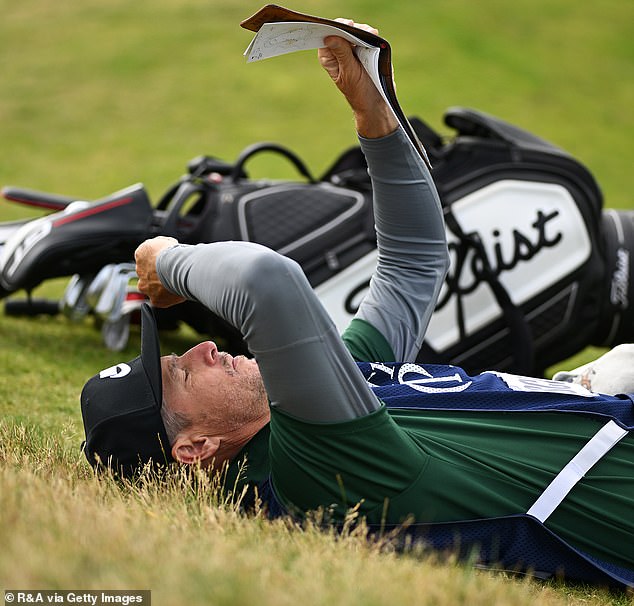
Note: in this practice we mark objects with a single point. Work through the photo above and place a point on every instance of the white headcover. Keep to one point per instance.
(611, 374)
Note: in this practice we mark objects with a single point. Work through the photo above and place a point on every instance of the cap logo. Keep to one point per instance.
(118, 371)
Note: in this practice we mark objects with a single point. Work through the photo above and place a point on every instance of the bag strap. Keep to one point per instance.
(522, 343)
(238, 168)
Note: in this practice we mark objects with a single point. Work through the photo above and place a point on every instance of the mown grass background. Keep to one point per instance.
(97, 95)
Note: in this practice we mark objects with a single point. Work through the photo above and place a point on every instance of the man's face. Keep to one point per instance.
(204, 380)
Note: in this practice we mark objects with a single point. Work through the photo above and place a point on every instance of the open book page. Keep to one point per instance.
(279, 38)
(276, 39)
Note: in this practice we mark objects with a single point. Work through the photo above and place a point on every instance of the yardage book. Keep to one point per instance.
(281, 31)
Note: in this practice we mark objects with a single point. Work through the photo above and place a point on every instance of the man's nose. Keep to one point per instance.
(206, 352)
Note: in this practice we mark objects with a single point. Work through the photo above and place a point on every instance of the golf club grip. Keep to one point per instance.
(31, 307)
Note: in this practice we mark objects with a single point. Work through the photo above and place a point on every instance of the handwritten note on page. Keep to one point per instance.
(275, 39)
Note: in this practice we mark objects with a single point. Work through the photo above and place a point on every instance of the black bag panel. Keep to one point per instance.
(321, 226)
(350, 162)
(616, 312)
(301, 220)
(560, 322)
(480, 125)
(469, 160)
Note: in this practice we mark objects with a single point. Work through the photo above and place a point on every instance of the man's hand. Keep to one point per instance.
(372, 115)
(149, 284)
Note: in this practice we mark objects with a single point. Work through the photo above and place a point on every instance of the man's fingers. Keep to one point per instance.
(338, 46)
(363, 26)
(149, 283)
(336, 56)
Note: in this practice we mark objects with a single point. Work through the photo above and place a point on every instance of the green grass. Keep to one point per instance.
(97, 95)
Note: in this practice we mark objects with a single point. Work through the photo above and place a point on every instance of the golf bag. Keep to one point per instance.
(539, 269)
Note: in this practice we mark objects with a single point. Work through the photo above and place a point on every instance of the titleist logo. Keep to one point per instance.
(621, 279)
(470, 266)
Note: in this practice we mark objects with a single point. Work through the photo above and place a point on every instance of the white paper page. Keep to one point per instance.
(274, 39)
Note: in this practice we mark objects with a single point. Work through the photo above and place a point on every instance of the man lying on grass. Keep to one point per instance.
(328, 422)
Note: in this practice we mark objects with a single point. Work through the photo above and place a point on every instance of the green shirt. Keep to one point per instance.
(440, 466)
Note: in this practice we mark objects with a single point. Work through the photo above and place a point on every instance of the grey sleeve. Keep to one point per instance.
(413, 258)
(305, 366)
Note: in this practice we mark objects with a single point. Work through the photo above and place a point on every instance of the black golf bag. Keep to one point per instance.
(539, 269)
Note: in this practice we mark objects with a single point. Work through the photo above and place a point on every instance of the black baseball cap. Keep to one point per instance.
(121, 409)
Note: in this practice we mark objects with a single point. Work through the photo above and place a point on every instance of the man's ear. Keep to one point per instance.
(192, 449)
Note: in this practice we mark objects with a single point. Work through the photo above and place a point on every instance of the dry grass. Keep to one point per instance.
(65, 528)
